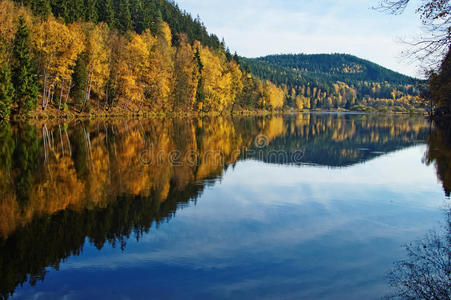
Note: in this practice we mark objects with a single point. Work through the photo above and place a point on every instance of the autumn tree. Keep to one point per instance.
(162, 69)
(134, 67)
(275, 96)
(186, 76)
(58, 47)
(216, 81)
(98, 56)
(236, 86)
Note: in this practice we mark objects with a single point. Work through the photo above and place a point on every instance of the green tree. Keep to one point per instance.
(106, 12)
(124, 16)
(91, 11)
(200, 95)
(440, 86)
(41, 7)
(79, 79)
(7, 146)
(6, 91)
(60, 10)
(75, 10)
(141, 18)
(24, 73)
(26, 160)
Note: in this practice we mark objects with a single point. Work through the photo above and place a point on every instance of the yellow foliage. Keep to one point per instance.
(99, 56)
(57, 47)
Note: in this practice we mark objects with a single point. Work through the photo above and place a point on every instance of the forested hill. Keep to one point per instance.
(115, 57)
(337, 81)
(149, 56)
(124, 15)
(342, 67)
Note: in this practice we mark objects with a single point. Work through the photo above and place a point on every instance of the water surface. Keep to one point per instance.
(307, 206)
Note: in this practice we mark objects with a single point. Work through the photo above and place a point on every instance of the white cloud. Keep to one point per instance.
(261, 27)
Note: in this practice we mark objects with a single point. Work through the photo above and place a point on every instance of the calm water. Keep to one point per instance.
(308, 206)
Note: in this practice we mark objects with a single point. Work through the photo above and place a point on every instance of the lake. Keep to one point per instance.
(311, 206)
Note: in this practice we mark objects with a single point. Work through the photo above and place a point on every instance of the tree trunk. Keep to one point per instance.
(69, 87)
(53, 93)
(106, 98)
(61, 139)
(68, 141)
(87, 95)
(140, 106)
(44, 91)
(61, 95)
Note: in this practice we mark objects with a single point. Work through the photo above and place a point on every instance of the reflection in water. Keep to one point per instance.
(339, 140)
(61, 184)
(426, 272)
(439, 154)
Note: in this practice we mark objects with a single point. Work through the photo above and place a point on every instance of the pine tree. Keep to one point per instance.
(60, 10)
(142, 16)
(6, 91)
(236, 58)
(41, 7)
(79, 78)
(91, 11)
(124, 16)
(105, 10)
(24, 73)
(200, 95)
(155, 17)
(76, 10)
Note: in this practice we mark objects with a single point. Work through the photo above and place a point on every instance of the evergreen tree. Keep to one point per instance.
(7, 147)
(105, 11)
(24, 72)
(79, 79)
(236, 58)
(75, 9)
(200, 95)
(26, 160)
(142, 17)
(60, 10)
(154, 15)
(42, 7)
(124, 16)
(91, 11)
(6, 91)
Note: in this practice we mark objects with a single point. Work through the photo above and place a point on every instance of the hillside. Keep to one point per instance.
(124, 15)
(149, 56)
(342, 67)
(336, 81)
(118, 57)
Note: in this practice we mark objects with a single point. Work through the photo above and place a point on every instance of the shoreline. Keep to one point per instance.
(70, 116)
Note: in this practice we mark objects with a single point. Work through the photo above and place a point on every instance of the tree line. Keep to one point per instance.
(84, 67)
(338, 81)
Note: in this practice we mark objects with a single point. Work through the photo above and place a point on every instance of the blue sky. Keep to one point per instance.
(260, 27)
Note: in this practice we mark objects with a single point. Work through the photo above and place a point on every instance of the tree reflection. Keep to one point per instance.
(426, 272)
(439, 153)
(64, 183)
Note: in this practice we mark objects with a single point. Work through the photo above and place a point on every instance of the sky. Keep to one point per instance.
(255, 28)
